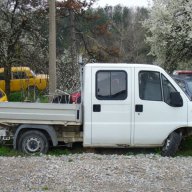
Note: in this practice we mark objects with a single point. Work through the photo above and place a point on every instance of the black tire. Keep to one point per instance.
(171, 145)
(33, 90)
(33, 142)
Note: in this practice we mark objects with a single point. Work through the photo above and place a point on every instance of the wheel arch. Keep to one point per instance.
(48, 129)
(184, 131)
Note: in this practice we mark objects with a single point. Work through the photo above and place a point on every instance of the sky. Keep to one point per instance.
(127, 3)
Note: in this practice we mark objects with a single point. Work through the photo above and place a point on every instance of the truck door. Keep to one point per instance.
(155, 118)
(18, 81)
(111, 107)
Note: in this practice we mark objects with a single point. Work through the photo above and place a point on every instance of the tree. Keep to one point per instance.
(128, 34)
(139, 48)
(69, 41)
(170, 32)
(21, 40)
(110, 34)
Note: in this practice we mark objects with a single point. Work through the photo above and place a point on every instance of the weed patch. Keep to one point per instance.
(9, 151)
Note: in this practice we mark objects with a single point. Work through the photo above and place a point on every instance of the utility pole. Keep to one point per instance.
(73, 41)
(52, 48)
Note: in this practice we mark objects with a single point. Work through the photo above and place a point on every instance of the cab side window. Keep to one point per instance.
(2, 76)
(150, 86)
(19, 75)
(111, 85)
(155, 87)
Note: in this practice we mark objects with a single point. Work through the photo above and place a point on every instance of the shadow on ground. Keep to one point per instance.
(78, 148)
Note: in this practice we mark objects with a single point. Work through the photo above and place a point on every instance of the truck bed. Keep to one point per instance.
(40, 113)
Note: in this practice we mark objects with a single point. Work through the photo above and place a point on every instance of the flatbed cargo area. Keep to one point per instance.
(40, 113)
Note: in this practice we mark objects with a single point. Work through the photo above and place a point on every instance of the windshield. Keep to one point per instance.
(186, 86)
(189, 84)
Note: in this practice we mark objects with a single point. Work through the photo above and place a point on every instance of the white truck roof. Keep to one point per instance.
(122, 65)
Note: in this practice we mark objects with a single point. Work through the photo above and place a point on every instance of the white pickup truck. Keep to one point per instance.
(122, 105)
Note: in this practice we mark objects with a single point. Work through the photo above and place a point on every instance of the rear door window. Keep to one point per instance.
(111, 85)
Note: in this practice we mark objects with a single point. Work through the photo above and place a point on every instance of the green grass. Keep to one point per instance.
(9, 151)
(186, 147)
(28, 96)
(45, 188)
(59, 152)
(16, 97)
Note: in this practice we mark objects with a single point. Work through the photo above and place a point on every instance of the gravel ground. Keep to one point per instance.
(96, 173)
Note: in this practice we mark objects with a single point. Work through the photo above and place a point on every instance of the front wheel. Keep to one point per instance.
(171, 144)
(33, 142)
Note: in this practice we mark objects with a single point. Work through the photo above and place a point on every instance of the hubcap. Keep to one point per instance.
(33, 144)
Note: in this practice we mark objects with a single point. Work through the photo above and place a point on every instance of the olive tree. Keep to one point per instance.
(170, 33)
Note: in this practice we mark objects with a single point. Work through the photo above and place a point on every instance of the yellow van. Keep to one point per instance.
(3, 96)
(22, 78)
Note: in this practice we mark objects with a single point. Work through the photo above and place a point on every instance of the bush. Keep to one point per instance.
(28, 96)
(16, 97)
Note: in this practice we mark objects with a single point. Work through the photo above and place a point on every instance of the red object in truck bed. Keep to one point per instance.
(75, 97)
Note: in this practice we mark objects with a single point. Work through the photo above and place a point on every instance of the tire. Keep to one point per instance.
(171, 145)
(33, 142)
(33, 89)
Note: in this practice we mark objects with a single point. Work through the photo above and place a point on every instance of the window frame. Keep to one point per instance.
(110, 71)
(160, 78)
(20, 74)
(2, 76)
(162, 75)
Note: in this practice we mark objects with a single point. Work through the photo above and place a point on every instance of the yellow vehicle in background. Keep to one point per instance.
(3, 96)
(23, 78)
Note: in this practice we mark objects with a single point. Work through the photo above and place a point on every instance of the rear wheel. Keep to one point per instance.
(33, 142)
(171, 145)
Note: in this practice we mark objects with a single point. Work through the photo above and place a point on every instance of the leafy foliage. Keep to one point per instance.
(22, 42)
(170, 32)
(110, 34)
(115, 34)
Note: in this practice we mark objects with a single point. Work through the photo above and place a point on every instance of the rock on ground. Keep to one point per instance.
(90, 172)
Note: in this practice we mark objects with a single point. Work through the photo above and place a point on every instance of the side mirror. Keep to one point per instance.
(176, 99)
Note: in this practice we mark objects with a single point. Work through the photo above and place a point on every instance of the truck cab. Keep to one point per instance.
(132, 105)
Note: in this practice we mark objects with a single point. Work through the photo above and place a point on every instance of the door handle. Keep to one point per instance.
(138, 108)
(96, 108)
